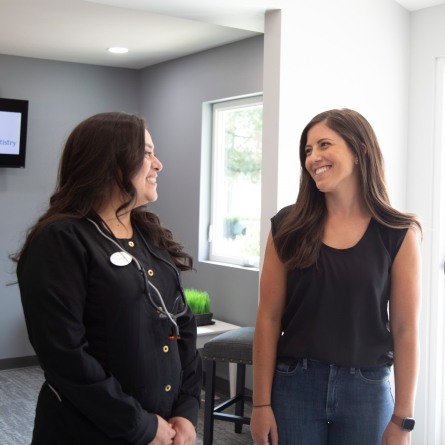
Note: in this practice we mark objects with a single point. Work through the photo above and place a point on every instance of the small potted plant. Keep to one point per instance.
(199, 303)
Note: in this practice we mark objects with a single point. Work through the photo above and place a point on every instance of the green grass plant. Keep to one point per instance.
(198, 300)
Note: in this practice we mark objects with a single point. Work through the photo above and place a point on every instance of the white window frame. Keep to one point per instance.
(217, 178)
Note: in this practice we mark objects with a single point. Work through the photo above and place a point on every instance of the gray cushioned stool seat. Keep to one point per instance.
(232, 347)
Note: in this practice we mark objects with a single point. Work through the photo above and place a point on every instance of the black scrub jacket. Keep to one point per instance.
(108, 361)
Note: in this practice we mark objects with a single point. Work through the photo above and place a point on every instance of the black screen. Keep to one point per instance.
(13, 130)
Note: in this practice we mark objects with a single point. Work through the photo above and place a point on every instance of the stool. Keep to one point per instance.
(232, 347)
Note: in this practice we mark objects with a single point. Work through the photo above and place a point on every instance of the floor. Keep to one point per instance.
(224, 432)
(18, 396)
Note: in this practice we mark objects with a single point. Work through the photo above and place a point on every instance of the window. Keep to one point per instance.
(235, 210)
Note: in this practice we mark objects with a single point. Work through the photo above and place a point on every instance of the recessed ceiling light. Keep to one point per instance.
(117, 50)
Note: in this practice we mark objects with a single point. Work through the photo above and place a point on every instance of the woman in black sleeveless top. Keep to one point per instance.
(339, 300)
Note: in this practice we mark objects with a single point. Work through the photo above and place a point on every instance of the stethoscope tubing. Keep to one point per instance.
(147, 283)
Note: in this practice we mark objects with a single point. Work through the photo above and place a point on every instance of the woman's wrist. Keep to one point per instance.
(262, 405)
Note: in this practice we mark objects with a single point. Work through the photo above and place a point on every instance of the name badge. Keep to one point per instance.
(120, 259)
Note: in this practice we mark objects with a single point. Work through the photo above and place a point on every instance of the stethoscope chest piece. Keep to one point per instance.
(121, 258)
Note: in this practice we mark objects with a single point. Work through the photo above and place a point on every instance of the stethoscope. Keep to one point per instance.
(123, 258)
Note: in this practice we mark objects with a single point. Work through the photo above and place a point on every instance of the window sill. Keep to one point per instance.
(230, 265)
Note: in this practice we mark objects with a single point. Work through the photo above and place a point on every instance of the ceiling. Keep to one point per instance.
(153, 30)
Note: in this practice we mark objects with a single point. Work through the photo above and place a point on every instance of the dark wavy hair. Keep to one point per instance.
(298, 238)
(103, 151)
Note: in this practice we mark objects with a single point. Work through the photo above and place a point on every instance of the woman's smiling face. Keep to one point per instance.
(144, 181)
(329, 161)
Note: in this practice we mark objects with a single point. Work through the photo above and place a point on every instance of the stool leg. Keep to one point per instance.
(240, 388)
(209, 404)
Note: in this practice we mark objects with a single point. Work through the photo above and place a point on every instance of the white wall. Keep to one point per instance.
(428, 44)
(344, 54)
(335, 55)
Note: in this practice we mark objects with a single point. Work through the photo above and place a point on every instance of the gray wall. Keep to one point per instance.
(170, 96)
(60, 95)
(172, 99)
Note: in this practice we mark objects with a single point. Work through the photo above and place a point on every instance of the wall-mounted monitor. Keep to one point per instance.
(13, 130)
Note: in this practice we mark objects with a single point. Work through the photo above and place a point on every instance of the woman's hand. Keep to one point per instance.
(394, 435)
(165, 434)
(185, 431)
(263, 426)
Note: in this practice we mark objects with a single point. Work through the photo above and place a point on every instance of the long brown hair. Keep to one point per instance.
(298, 238)
(104, 151)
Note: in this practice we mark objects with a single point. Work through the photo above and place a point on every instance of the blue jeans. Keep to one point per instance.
(319, 404)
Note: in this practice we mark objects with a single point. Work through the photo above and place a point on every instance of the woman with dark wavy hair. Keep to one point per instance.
(339, 300)
(99, 278)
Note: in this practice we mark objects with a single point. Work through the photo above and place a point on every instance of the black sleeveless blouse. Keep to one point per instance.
(337, 310)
